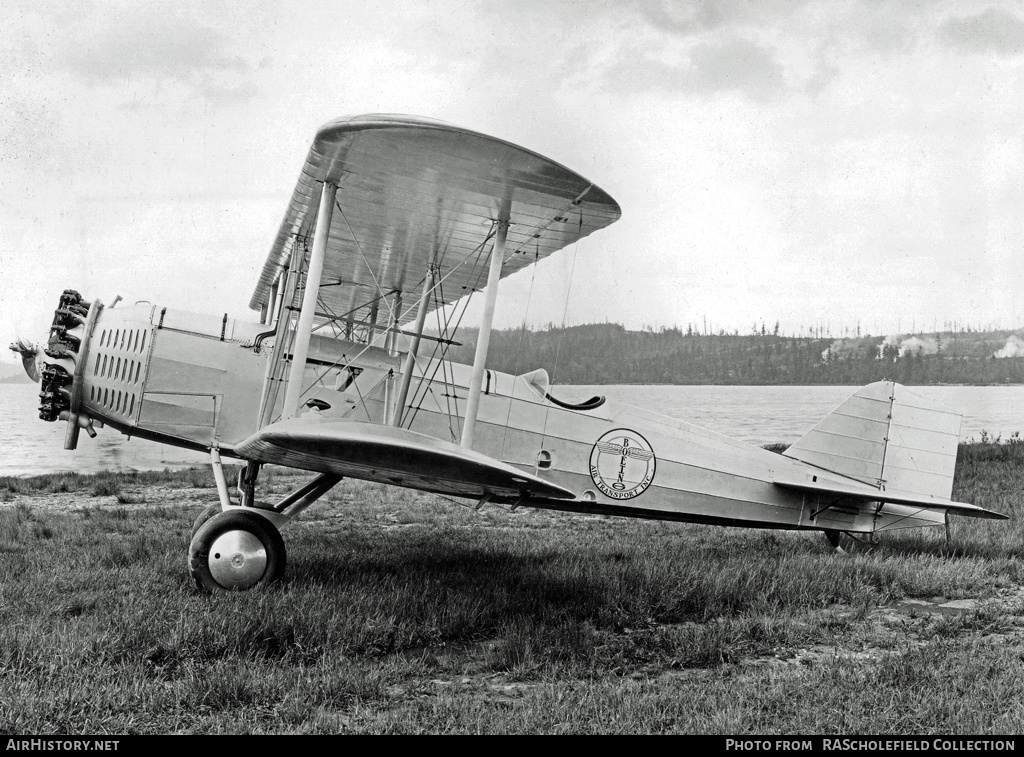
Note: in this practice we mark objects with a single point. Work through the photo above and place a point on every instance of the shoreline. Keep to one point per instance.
(168, 474)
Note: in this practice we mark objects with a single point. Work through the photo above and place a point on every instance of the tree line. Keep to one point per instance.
(607, 353)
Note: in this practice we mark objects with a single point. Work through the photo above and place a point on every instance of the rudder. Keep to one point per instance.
(888, 437)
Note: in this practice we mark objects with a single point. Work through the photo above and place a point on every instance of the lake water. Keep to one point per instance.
(755, 414)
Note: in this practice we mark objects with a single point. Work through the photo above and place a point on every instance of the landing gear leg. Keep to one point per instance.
(239, 547)
(222, 494)
(247, 483)
(218, 476)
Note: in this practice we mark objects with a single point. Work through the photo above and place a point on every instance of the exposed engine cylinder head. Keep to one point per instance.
(63, 345)
(55, 396)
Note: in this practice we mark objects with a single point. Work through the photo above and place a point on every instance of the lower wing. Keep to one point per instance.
(393, 456)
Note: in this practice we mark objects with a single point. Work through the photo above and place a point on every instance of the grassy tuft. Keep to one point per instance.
(406, 613)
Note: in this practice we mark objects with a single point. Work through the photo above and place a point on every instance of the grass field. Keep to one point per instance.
(408, 613)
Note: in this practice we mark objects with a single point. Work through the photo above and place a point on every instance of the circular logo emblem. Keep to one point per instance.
(622, 464)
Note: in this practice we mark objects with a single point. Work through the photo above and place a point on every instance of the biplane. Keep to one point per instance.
(395, 219)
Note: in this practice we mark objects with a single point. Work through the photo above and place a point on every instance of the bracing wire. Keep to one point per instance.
(369, 268)
(519, 351)
(424, 389)
(568, 291)
(384, 296)
(565, 310)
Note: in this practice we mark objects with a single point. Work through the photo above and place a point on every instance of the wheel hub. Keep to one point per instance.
(237, 560)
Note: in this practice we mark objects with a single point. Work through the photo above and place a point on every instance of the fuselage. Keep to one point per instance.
(198, 381)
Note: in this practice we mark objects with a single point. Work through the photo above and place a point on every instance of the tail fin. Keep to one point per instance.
(887, 437)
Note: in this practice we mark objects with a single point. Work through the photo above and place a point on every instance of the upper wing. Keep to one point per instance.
(392, 456)
(412, 192)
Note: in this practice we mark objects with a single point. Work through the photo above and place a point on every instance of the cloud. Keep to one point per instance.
(736, 65)
(685, 18)
(149, 46)
(763, 51)
(995, 30)
(160, 48)
(32, 136)
(695, 18)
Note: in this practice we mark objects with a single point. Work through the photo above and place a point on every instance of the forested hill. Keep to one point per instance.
(609, 354)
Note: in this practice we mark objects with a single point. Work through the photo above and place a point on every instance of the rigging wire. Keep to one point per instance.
(478, 270)
(425, 385)
(359, 247)
(565, 311)
(519, 351)
(568, 291)
(384, 296)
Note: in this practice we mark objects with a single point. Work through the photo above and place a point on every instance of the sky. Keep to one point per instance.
(823, 165)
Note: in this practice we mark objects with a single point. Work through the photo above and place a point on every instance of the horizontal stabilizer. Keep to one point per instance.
(861, 493)
(393, 456)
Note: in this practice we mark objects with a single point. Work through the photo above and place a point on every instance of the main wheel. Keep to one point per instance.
(208, 512)
(843, 541)
(234, 551)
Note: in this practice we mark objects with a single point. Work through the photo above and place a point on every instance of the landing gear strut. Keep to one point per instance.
(235, 548)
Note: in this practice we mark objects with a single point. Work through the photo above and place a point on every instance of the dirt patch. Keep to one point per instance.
(908, 624)
(148, 495)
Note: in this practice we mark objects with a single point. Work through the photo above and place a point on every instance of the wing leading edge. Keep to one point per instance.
(414, 192)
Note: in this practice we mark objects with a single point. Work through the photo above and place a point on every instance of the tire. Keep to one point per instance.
(236, 551)
(848, 543)
(208, 512)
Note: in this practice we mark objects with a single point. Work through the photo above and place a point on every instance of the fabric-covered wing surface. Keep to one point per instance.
(392, 456)
(414, 192)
